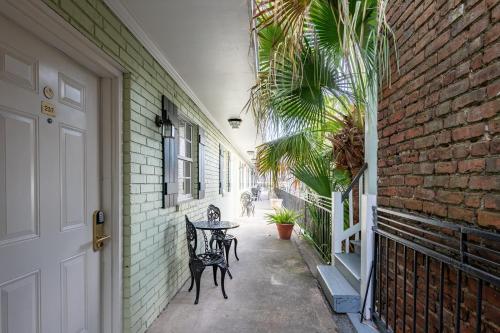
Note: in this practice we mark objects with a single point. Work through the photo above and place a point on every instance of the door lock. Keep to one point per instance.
(98, 233)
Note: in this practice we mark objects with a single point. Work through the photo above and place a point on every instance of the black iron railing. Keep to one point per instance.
(406, 247)
(315, 221)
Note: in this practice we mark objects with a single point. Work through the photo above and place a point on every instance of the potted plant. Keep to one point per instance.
(284, 220)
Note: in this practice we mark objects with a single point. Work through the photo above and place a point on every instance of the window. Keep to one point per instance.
(185, 160)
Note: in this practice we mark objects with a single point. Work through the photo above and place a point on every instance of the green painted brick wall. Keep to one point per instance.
(154, 246)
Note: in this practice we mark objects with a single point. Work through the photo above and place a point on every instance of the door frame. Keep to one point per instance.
(39, 19)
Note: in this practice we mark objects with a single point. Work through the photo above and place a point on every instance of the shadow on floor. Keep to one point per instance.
(272, 291)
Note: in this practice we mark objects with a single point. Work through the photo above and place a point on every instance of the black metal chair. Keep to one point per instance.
(255, 193)
(247, 204)
(221, 237)
(198, 262)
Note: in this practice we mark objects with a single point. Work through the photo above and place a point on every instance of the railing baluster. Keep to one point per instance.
(379, 273)
(415, 274)
(441, 295)
(404, 288)
(479, 305)
(395, 301)
(375, 267)
(458, 301)
(386, 282)
(426, 309)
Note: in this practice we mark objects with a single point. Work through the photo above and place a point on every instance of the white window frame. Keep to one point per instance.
(181, 180)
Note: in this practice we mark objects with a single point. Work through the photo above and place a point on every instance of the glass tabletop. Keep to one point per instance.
(215, 225)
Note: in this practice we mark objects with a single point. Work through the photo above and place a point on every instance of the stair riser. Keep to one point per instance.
(353, 281)
(342, 299)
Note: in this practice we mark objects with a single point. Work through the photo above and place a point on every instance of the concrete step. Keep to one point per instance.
(339, 293)
(357, 246)
(349, 264)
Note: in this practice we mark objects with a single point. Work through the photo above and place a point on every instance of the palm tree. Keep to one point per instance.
(319, 65)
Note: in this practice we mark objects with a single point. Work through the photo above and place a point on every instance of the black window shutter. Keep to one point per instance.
(170, 149)
(201, 162)
(221, 170)
(228, 171)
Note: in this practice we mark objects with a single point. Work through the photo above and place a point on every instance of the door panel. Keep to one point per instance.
(74, 290)
(49, 188)
(18, 68)
(20, 304)
(18, 148)
(72, 157)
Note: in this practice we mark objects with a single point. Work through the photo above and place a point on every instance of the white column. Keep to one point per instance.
(337, 223)
(367, 242)
(371, 138)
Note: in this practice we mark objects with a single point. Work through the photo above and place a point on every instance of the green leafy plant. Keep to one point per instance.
(283, 216)
(320, 64)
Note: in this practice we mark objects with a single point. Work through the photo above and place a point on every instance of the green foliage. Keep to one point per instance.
(319, 64)
(283, 216)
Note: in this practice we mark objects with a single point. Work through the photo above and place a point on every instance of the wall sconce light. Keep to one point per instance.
(234, 122)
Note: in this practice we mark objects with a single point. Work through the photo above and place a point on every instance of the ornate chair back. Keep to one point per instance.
(192, 239)
(255, 193)
(213, 213)
(245, 199)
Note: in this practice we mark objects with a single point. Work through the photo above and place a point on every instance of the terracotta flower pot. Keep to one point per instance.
(285, 230)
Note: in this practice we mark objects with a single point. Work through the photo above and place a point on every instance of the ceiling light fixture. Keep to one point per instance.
(235, 122)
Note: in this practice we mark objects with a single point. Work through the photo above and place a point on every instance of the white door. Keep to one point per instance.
(49, 188)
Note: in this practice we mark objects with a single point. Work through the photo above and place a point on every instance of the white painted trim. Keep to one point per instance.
(368, 201)
(43, 22)
(131, 23)
(337, 223)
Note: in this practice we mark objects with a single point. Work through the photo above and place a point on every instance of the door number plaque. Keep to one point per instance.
(49, 109)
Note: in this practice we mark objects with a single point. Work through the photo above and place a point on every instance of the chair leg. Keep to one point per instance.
(227, 247)
(223, 275)
(235, 246)
(192, 278)
(215, 275)
(197, 279)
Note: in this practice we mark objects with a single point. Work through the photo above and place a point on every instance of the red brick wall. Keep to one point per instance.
(439, 142)
(439, 121)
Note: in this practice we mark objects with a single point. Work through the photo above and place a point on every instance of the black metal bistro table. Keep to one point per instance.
(215, 226)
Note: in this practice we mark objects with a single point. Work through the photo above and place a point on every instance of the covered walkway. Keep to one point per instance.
(273, 290)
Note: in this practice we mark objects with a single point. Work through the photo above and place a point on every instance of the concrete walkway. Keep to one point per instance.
(272, 290)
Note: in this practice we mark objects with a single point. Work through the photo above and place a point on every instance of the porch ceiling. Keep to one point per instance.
(207, 43)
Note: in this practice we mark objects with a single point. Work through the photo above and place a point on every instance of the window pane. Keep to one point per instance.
(182, 147)
(187, 186)
(181, 168)
(188, 149)
(187, 169)
(188, 132)
(182, 130)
